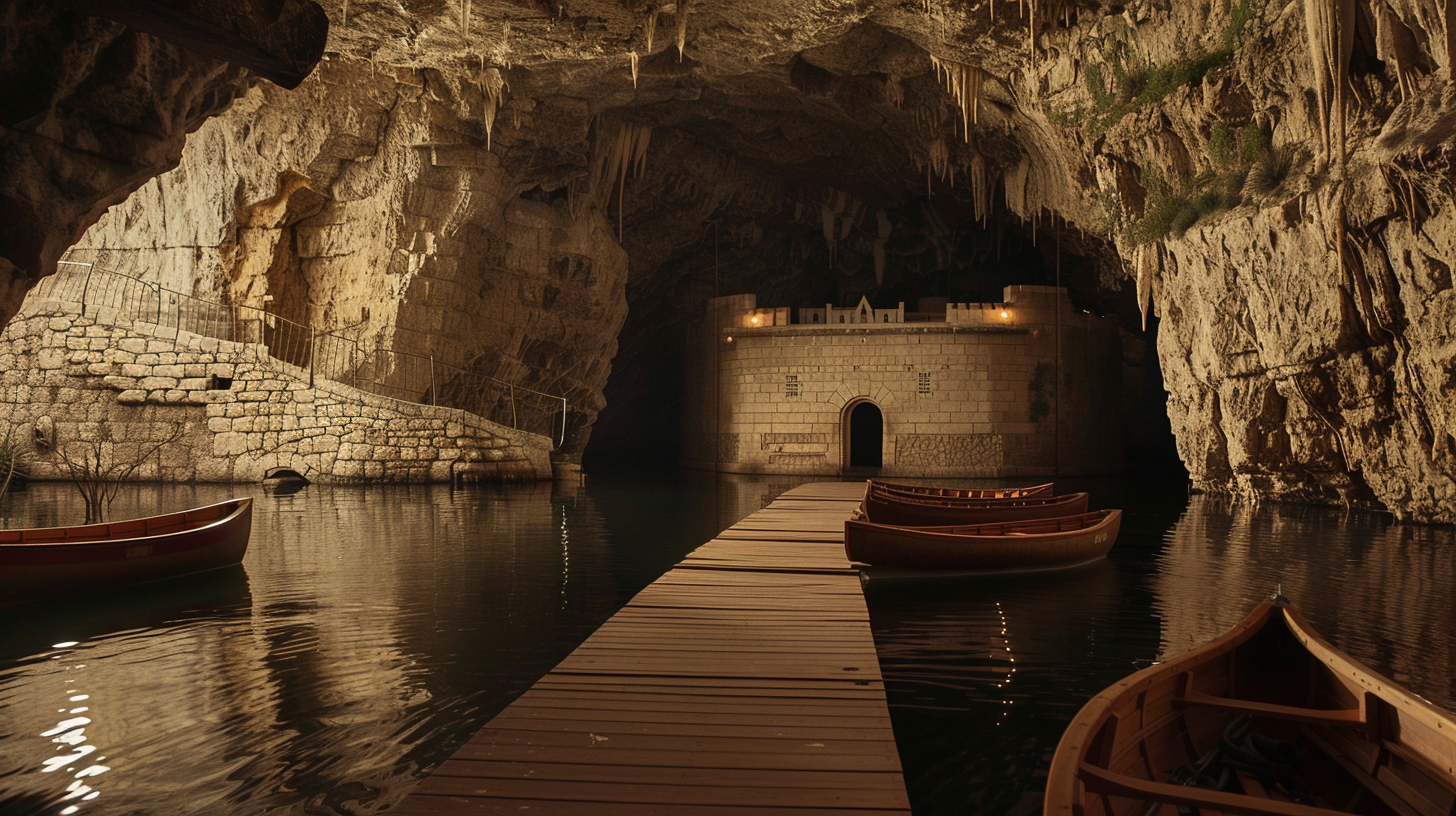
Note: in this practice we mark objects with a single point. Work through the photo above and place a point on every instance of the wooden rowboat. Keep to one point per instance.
(1052, 543)
(907, 511)
(50, 562)
(1282, 721)
(962, 492)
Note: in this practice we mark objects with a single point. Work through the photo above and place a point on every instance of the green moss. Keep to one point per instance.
(1138, 86)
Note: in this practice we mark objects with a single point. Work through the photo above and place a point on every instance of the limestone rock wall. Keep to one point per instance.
(92, 107)
(362, 204)
(226, 412)
(1298, 258)
(451, 186)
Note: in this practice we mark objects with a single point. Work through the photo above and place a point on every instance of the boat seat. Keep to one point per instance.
(1103, 781)
(1317, 716)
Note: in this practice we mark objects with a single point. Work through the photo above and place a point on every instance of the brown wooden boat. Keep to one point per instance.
(1268, 718)
(962, 492)
(883, 507)
(50, 562)
(1036, 544)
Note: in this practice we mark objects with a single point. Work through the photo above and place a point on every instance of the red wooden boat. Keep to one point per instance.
(1267, 718)
(962, 492)
(1066, 541)
(50, 562)
(882, 507)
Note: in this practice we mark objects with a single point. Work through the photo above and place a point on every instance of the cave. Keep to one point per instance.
(520, 209)
(536, 296)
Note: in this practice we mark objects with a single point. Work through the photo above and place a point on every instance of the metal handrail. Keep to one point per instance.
(323, 354)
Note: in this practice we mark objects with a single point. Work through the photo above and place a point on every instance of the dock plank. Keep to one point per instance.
(743, 681)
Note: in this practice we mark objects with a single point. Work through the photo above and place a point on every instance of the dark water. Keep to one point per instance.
(372, 630)
(984, 674)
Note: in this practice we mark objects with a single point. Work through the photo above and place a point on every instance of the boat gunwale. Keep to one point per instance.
(1064, 776)
(1013, 503)
(946, 531)
(920, 491)
(243, 503)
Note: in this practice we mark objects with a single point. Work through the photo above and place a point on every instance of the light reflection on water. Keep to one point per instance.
(372, 630)
(368, 633)
(1181, 572)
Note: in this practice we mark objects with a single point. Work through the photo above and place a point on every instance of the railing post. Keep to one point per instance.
(87, 287)
(434, 398)
(355, 365)
(513, 405)
(312, 350)
(562, 441)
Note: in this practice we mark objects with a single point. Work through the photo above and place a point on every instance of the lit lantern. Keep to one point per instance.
(1005, 315)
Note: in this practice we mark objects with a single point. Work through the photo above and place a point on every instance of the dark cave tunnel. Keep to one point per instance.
(937, 250)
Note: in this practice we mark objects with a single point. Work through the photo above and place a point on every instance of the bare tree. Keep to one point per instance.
(14, 456)
(97, 466)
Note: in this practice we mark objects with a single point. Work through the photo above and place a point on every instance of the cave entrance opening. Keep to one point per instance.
(865, 435)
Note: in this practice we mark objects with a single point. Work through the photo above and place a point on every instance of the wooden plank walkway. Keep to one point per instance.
(744, 681)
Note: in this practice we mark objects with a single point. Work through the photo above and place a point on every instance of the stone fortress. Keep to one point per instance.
(1026, 387)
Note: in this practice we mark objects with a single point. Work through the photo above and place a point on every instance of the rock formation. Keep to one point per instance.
(92, 108)
(520, 186)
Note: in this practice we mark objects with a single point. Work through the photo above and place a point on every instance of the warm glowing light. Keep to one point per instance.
(729, 339)
(754, 321)
(1005, 314)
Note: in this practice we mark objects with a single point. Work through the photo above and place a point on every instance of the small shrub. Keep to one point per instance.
(14, 460)
(1270, 170)
(1223, 145)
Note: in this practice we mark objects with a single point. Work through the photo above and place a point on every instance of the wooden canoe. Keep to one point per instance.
(962, 492)
(906, 511)
(1286, 723)
(48, 562)
(1037, 544)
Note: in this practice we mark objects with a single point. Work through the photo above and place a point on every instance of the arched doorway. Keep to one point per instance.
(866, 435)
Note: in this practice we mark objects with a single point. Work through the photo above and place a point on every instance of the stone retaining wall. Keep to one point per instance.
(228, 412)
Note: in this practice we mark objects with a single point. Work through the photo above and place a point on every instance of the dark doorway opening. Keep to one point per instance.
(866, 436)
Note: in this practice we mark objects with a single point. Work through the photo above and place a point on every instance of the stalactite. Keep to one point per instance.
(1330, 35)
(1144, 270)
(894, 92)
(682, 26)
(937, 161)
(627, 154)
(493, 85)
(1397, 43)
(465, 18)
(649, 28)
(963, 83)
(632, 57)
(1448, 11)
(344, 20)
(982, 183)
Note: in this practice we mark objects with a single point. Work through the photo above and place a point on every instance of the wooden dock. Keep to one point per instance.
(744, 681)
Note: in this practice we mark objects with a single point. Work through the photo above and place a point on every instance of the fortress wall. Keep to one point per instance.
(983, 400)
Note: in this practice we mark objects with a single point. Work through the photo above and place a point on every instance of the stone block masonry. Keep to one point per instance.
(1028, 387)
(233, 413)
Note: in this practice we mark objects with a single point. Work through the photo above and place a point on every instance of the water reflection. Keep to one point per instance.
(1379, 590)
(368, 633)
(371, 630)
(975, 738)
(983, 673)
